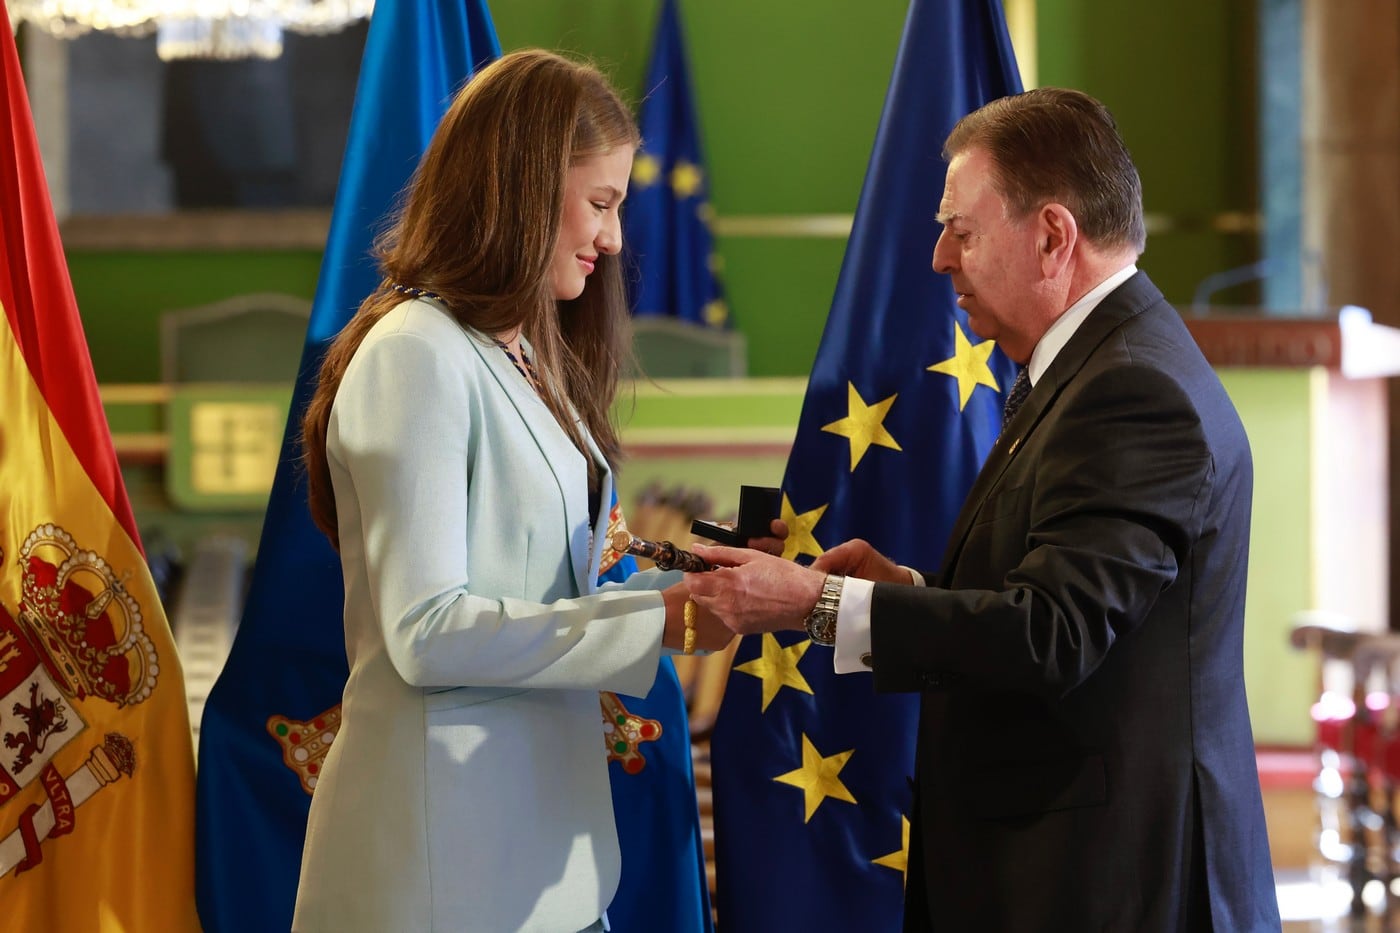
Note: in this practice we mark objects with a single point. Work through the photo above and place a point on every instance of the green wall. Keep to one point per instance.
(1276, 406)
(789, 96)
(1180, 79)
(121, 295)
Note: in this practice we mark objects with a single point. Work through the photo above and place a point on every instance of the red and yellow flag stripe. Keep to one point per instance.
(96, 756)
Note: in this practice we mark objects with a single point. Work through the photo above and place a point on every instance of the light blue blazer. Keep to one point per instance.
(467, 788)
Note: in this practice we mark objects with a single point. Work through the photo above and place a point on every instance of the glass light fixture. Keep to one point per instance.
(194, 28)
(227, 38)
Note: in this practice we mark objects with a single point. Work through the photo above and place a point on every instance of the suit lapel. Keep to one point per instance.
(566, 465)
(1120, 305)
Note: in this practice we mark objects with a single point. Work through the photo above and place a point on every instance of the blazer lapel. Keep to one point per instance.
(1120, 305)
(594, 557)
(565, 462)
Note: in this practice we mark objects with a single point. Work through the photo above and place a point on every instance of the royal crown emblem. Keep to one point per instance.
(76, 636)
(86, 627)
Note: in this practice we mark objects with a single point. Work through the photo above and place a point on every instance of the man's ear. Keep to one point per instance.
(1057, 235)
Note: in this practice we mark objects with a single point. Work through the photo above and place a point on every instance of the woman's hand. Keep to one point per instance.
(710, 633)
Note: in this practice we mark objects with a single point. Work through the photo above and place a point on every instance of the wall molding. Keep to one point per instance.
(306, 229)
(212, 230)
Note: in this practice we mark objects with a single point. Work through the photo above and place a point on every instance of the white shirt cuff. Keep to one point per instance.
(853, 626)
(853, 623)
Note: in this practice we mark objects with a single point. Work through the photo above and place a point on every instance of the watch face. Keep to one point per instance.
(821, 626)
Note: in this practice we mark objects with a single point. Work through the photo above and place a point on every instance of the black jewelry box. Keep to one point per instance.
(758, 506)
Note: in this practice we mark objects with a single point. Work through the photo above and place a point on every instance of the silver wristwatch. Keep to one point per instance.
(821, 622)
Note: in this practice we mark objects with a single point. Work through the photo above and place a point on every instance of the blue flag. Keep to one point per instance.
(663, 885)
(276, 705)
(811, 770)
(666, 220)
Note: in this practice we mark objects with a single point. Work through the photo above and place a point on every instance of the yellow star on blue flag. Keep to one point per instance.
(892, 319)
(863, 425)
(776, 667)
(898, 859)
(819, 777)
(968, 365)
(800, 539)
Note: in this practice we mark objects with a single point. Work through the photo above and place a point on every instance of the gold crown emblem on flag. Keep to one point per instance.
(86, 626)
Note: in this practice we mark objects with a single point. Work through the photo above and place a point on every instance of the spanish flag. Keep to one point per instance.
(96, 758)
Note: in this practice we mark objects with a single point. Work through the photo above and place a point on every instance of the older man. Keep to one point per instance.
(1085, 760)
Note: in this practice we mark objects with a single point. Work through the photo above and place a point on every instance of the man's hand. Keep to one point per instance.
(752, 591)
(856, 558)
(778, 530)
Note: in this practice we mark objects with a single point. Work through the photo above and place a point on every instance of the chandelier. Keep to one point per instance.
(194, 28)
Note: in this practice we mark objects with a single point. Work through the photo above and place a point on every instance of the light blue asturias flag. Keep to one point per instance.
(666, 222)
(275, 706)
(811, 770)
(663, 884)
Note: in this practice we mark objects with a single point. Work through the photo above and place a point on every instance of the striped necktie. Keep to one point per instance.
(1019, 390)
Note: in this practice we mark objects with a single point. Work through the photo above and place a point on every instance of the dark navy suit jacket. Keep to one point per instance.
(1085, 758)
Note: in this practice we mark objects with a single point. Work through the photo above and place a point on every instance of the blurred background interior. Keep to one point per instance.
(194, 196)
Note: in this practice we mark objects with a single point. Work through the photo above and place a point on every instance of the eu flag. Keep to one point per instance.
(666, 221)
(275, 707)
(810, 769)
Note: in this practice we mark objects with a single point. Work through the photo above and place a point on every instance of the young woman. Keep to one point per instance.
(460, 456)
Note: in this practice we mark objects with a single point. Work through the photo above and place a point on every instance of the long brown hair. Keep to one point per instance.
(477, 225)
